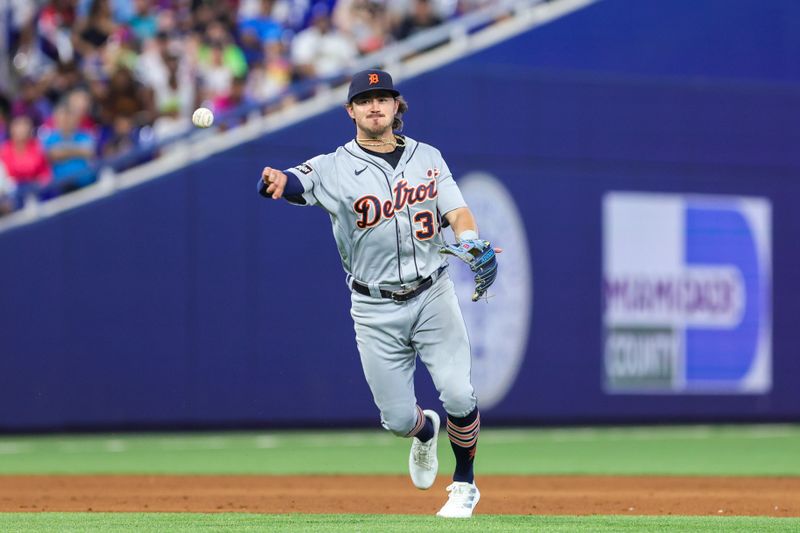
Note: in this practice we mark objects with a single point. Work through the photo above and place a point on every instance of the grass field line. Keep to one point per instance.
(643, 434)
(97, 444)
(119, 443)
(15, 447)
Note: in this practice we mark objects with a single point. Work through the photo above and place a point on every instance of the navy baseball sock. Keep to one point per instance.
(426, 433)
(463, 433)
(424, 428)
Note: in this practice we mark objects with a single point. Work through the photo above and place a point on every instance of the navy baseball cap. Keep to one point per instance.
(371, 80)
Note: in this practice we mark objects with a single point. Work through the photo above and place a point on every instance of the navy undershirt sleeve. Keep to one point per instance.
(293, 187)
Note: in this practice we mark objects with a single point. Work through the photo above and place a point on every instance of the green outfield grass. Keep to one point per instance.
(186, 522)
(691, 450)
(696, 450)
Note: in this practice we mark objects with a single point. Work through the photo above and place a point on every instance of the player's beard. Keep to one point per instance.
(377, 129)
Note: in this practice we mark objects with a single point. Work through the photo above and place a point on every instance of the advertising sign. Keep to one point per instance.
(686, 293)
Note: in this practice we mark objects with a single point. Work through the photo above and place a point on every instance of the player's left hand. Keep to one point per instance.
(482, 260)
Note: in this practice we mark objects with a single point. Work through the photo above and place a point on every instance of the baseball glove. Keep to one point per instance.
(480, 257)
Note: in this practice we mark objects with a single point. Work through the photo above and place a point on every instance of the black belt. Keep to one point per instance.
(401, 295)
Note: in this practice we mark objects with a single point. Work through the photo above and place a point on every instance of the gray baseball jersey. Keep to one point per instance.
(386, 220)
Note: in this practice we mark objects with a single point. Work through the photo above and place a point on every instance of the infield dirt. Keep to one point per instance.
(546, 495)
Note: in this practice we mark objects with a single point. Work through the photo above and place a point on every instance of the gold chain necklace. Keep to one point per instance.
(374, 143)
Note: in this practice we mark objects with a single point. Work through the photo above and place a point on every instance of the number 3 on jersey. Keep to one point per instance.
(427, 227)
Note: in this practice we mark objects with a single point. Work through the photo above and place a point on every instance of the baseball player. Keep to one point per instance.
(388, 197)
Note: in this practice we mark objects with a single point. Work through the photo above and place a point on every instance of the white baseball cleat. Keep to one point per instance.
(462, 500)
(423, 464)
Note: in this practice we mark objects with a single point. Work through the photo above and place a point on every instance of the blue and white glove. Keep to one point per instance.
(480, 257)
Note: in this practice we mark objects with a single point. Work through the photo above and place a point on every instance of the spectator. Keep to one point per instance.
(225, 13)
(202, 17)
(151, 68)
(400, 9)
(421, 17)
(232, 56)
(273, 76)
(121, 11)
(23, 157)
(69, 150)
(123, 50)
(80, 102)
(215, 75)
(262, 25)
(31, 102)
(17, 14)
(229, 102)
(251, 47)
(257, 30)
(219, 61)
(127, 97)
(98, 91)
(175, 98)
(178, 21)
(366, 21)
(91, 33)
(248, 9)
(144, 23)
(322, 51)
(371, 25)
(55, 24)
(124, 139)
(29, 59)
(67, 77)
(295, 15)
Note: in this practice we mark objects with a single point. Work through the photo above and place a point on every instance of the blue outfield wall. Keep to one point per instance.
(190, 301)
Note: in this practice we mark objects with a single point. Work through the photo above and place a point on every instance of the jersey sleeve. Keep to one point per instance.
(449, 194)
(316, 189)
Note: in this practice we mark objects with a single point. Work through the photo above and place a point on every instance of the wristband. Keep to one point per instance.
(468, 235)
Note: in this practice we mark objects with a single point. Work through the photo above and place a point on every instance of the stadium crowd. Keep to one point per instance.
(85, 81)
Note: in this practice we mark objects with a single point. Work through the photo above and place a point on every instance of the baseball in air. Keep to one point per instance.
(202, 117)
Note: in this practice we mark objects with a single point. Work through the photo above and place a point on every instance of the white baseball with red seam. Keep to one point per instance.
(202, 117)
